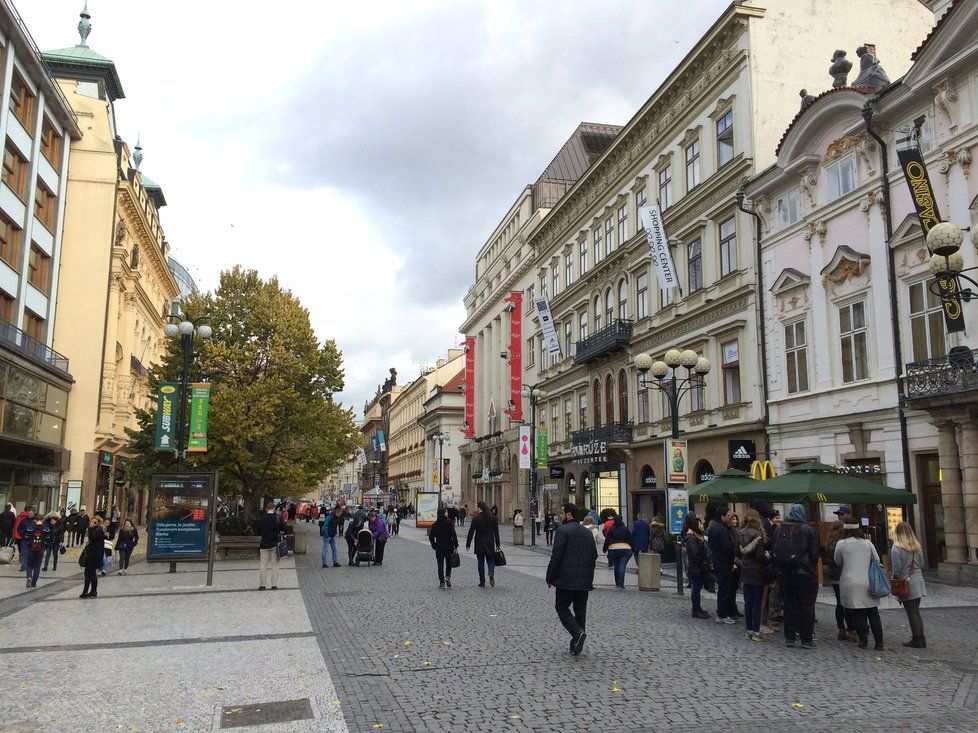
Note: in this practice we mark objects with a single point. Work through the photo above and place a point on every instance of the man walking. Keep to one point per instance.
(270, 526)
(796, 552)
(330, 530)
(7, 519)
(571, 572)
(81, 526)
(722, 550)
(32, 547)
(640, 537)
(485, 529)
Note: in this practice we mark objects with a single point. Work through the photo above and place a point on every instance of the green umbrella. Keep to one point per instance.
(818, 482)
(726, 483)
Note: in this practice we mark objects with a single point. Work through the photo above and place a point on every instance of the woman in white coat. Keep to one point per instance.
(853, 554)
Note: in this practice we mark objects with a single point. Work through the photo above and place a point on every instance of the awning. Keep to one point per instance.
(725, 487)
(818, 482)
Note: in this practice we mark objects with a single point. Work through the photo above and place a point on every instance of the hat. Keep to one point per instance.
(843, 510)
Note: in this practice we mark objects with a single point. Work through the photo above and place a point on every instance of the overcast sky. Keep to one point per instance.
(363, 152)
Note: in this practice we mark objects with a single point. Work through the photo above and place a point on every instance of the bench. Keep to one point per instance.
(238, 547)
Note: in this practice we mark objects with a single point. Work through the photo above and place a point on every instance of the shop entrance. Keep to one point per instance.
(607, 491)
(929, 472)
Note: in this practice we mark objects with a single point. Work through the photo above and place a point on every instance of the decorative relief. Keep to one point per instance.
(961, 156)
(846, 270)
(807, 183)
(872, 197)
(815, 228)
(838, 148)
(944, 97)
(120, 232)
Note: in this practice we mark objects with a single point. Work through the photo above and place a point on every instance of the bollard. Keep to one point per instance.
(517, 535)
(649, 570)
(301, 543)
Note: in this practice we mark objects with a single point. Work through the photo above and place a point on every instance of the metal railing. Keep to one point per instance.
(619, 432)
(135, 365)
(30, 347)
(952, 374)
(616, 335)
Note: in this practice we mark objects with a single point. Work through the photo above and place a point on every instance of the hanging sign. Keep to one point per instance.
(676, 458)
(678, 501)
(515, 300)
(541, 447)
(166, 420)
(550, 339)
(468, 426)
(200, 395)
(525, 448)
(655, 232)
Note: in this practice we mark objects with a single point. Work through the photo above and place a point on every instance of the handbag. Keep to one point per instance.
(499, 558)
(879, 584)
(7, 555)
(900, 587)
(83, 556)
(454, 560)
(283, 547)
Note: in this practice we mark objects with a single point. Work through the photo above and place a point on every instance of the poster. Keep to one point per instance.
(541, 447)
(525, 450)
(550, 339)
(166, 421)
(677, 461)
(426, 508)
(180, 507)
(468, 426)
(678, 501)
(200, 394)
(655, 232)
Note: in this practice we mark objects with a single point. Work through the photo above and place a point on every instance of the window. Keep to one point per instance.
(915, 133)
(583, 260)
(789, 208)
(14, 171)
(622, 223)
(666, 297)
(609, 235)
(852, 340)
(582, 326)
(33, 325)
(529, 299)
(8, 242)
(666, 405)
(21, 101)
(623, 300)
(641, 199)
(568, 336)
(568, 270)
(796, 357)
(544, 354)
(38, 267)
(554, 280)
(597, 313)
(44, 206)
(554, 421)
(694, 269)
(697, 393)
(598, 247)
(622, 396)
(643, 400)
(926, 323)
(609, 400)
(725, 147)
(597, 403)
(6, 308)
(841, 177)
(50, 143)
(728, 247)
(665, 187)
(582, 410)
(609, 306)
(642, 301)
(730, 361)
(531, 351)
(568, 417)
(692, 165)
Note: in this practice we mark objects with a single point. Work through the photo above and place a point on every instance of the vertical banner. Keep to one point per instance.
(550, 339)
(166, 420)
(678, 501)
(200, 394)
(446, 464)
(925, 202)
(677, 459)
(541, 447)
(515, 411)
(381, 442)
(468, 427)
(525, 449)
(655, 232)
(434, 472)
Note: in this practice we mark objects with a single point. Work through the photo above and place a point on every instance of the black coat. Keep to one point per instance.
(572, 559)
(95, 549)
(699, 564)
(7, 520)
(53, 534)
(485, 528)
(617, 533)
(269, 527)
(127, 540)
(721, 546)
(442, 536)
(82, 523)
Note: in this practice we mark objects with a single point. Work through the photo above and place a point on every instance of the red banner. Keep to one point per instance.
(468, 427)
(515, 300)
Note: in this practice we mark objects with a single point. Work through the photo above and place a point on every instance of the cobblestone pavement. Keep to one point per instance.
(406, 656)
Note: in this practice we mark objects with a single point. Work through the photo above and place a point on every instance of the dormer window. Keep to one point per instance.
(841, 177)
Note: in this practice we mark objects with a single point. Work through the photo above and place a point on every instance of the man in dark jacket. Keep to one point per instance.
(571, 572)
(722, 551)
(270, 527)
(53, 534)
(796, 552)
(81, 526)
(485, 528)
(444, 542)
(7, 519)
(330, 530)
(640, 536)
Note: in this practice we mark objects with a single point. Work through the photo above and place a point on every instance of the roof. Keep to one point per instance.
(935, 29)
(801, 113)
(581, 150)
(80, 60)
(153, 189)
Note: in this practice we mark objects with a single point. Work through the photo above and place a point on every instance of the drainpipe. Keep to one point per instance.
(891, 274)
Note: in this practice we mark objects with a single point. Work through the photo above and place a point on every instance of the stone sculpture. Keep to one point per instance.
(840, 68)
(871, 74)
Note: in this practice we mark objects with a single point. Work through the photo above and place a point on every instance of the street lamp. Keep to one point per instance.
(186, 329)
(534, 393)
(674, 388)
(441, 438)
(944, 241)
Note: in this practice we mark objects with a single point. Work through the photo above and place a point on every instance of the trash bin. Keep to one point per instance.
(517, 535)
(649, 570)
(301, 543)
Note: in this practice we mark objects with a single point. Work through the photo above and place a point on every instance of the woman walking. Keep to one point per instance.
(699, 564)
(379, 530)
(618, 546)
(125, 544)
(92, 555)
(906, 559)
(843, 618)
(752, 542)
(485, 530)
(444, 542)
(853, 554)
(549, 527)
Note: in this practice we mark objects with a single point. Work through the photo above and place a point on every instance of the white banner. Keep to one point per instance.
(550, 339)
(525, 448)
(655, 231)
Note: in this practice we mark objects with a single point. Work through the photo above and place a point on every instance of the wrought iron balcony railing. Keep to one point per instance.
(26, 345)
(946, 375)
(614, 336)
(619, 432)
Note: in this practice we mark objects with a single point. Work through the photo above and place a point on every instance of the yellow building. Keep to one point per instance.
(115, 287)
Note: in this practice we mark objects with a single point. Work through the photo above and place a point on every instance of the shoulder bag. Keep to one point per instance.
(500, 558)
(283, 547)
(454, 560)
(900, 587)
(879, 584)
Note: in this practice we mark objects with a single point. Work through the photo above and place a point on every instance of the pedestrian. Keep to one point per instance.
(393, 524)
(113, 523)
(571, 573)
(734, 522)
(91, 556)
(32, 547)
(108, 549)
(444, 542)
(495, 512)
(379, 531)
(7, 519)
(699, 562)
(593, 513)
(591, 527)
(752, 546)
(70, 527)
(854, 554)
(795, 550)
(329, 531)
(844, 513)
(356, 524)
(82, 525)
(549, 527)
(722, 552)
(53, 534)
(640, 536)
(906, 561)
(843, 618)
(462, 513)
(125, 544)
(270, 529)
(618, 546)
(485, 529)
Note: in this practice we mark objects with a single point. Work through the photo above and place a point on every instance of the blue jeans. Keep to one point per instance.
(489, 559)
(697, 584)
(619, 559)
(32, 564)
(752, 607)
(330, 542)
(51, 553)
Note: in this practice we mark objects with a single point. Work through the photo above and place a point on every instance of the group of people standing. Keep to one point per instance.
(483, 534)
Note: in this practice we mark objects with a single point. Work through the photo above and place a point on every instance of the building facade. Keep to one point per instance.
(37, 126)
(440, 422)
(374, 481)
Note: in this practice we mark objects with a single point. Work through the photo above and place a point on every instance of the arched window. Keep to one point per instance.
(609, 400)
(622, 300)
(597, 403)
(622, 396)
(597, 313)
(609, 305)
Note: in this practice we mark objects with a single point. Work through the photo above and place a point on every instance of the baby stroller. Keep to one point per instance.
(365, 547)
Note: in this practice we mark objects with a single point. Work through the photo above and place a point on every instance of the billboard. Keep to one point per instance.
(181, 506)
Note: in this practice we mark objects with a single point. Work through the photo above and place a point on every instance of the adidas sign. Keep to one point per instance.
(741, 452)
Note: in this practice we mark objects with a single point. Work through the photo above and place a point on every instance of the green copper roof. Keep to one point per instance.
(153, 189)
(82, 63)
(79, 53)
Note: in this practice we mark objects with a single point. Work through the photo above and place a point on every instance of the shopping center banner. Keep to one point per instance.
(200, 394)
(550, 339)
(526, 449)
(180, 508)
(655, 232)
(468, 427)
(677, 459)
(166, 421)
(515, 410)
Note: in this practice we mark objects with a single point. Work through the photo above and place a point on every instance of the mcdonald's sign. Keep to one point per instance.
(821, 497)
(762, 470)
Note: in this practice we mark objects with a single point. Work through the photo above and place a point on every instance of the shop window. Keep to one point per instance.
(730, 357)
(926, 323)
(647, 478)
(704, 472)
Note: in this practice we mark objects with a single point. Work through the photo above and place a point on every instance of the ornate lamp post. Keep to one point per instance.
(186, 329)
(674, 388)
(944, 241)
(534, 393)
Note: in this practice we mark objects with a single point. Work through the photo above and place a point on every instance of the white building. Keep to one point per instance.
(441, 420)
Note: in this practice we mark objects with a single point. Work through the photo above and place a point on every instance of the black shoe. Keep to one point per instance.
(482, 584)
(274, 587)
(261, 587)
(351, 563)
(879, 646)
(918, 642)
(448, 582)
(578, 643)
(83, 595)
(808, 645)
(701, 614)
(492, 581)
(441, 584)
(325, 565)
(93, 595)
(790, 643)
(44, 570)
(863, 644)
(336, 564)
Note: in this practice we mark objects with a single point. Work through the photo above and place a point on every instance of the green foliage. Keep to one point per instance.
(606, 514)
(236, 526)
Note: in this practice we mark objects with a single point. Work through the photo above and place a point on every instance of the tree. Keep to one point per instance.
(274, 428)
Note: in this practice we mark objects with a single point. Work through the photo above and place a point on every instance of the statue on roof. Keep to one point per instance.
(871, 74)
(840, 68)
(806, 99)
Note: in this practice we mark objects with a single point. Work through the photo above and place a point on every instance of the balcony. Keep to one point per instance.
(28, 346)
(616, 335)
(619, 432)
(944, 376)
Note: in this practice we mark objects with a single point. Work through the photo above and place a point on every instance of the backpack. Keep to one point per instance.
(791, 548)
(35, 540)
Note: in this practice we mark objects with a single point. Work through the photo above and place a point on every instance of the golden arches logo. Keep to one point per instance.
(762, 470)
(821, 497)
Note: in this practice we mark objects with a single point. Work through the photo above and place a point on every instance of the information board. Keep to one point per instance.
(426, 508)
(180, 509)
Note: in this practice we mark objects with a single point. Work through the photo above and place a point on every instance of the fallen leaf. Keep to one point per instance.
(515, 717)
(493, 615)
(878, 658)
(616, 689)
(447, 643)
(23, 685)
(797, 705)
(407, 643)
(178, 721)
(335, 702)
(427, 664)
(378, 725)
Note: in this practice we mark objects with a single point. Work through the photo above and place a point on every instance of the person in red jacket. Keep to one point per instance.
(18, 537)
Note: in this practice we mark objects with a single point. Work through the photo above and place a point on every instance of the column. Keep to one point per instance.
(951, 494)
(969, 483)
